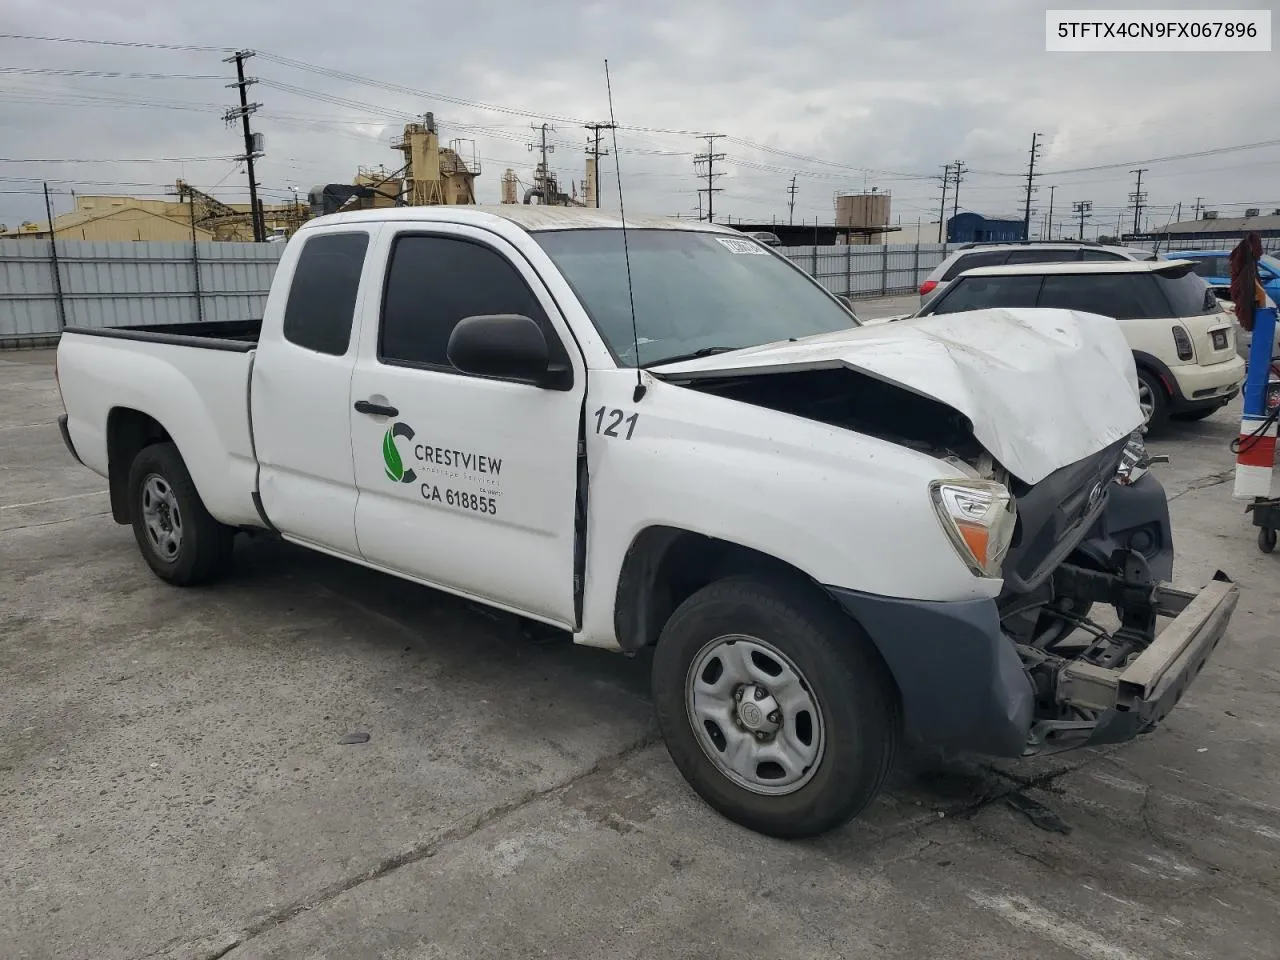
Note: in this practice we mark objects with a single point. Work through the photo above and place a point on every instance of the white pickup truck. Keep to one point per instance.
(837, 537)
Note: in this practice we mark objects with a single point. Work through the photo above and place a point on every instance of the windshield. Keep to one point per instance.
(694, 292)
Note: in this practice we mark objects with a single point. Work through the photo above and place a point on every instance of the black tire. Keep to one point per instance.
(1159, 398)
(1266, 539)
(844, 675)
(1201, 414)
(204, 552)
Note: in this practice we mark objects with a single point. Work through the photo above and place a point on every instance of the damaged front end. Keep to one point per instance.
(1107, 678)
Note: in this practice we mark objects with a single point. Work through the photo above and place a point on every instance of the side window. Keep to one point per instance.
(1092, 255)
(970, 261)
(1043, 256)
(322, 297)
(981, 293)
(433, 282)
(1125, 296)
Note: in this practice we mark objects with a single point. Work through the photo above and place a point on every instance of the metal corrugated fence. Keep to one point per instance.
(133, 284)
(128, 283)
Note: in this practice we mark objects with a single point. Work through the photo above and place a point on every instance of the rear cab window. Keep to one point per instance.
(1188, 295)
(322, 295)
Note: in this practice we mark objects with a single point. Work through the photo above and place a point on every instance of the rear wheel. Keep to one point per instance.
(178, 538)
(774, 706)
(1153, 399)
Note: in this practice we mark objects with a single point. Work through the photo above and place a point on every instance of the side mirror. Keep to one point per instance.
(505, 345)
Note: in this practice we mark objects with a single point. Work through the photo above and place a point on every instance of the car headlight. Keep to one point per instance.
(979, 519)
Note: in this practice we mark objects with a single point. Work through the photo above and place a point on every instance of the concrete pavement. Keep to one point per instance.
(175, 783)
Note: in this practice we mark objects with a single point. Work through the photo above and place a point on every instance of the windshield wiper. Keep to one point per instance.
(694, 355)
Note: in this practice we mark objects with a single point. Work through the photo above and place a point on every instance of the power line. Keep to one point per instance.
(105, 74)
(119, 43)
(117, 160)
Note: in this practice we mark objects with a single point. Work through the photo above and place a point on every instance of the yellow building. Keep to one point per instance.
(134, 218)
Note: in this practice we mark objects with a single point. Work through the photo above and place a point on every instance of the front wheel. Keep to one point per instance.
(775, 707)
(180, 541)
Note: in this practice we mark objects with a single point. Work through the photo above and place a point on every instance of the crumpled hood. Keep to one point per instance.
(1043, 388)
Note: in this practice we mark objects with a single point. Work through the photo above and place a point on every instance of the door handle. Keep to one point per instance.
(376, 409)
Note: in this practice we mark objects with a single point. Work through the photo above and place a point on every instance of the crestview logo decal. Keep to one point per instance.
(476, 475)
(396, 472)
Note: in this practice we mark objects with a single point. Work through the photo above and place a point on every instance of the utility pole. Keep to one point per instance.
(1082, 208)
(1177, 216)
(596, 153)
(1031, 176)
(252, 143)
(1052, 188)
(709, 160)
(961, 169)
(541, 177)
(942, 211)
(791, 202)
(1199, 200)
(1138, 198)
(53, 259)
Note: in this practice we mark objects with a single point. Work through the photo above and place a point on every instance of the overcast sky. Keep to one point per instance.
(844, 95)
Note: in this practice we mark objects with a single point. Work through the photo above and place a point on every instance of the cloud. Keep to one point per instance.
(898, 89)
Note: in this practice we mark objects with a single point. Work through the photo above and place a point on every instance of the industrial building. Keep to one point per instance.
(133, 218)
(1215, 231)
(975, 228)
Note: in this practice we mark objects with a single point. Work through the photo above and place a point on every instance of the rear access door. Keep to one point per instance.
(301, 385)
(465, 483)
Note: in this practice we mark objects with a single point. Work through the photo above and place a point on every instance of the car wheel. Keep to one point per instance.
(775, 707)
(178, 538)
(1153, 399)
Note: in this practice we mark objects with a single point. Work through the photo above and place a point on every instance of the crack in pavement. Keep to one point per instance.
(1200, 483)
(415, 853)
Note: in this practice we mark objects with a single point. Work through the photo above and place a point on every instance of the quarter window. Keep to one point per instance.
(322, 296)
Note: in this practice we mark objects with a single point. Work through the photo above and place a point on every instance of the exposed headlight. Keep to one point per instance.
(979, 518)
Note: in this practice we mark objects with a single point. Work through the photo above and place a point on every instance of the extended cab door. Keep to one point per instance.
(466, 483)
(300, 391)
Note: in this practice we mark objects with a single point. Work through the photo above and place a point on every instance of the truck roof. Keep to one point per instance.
(531, 218)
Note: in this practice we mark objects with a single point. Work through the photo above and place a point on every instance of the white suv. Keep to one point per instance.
(973, 255)
(1184, 344)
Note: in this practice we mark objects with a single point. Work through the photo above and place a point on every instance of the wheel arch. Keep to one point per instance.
(664, 566)
(129, 431)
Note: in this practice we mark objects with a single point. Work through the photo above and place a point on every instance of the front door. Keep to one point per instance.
(300, 391)
(467, 483)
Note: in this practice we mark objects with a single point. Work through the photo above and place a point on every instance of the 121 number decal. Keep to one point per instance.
(608, 422)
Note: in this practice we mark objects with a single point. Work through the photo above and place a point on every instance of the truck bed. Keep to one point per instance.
(191, 380)
(235, 335)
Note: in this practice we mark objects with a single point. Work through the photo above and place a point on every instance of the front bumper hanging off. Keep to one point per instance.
(1139, 693)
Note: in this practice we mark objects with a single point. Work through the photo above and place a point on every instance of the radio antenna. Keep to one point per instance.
(626, 250)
